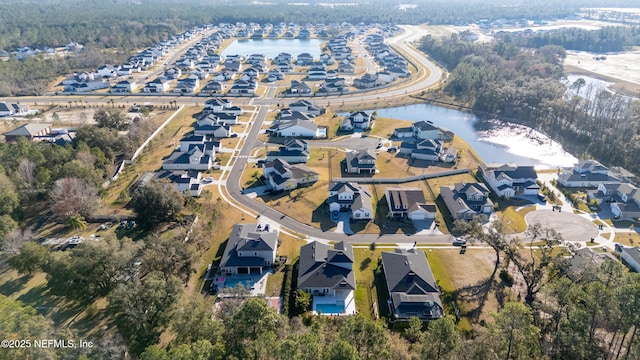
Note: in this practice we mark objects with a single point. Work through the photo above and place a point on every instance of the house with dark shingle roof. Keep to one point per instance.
(248, 251)
(361, 161)
(630, 256)
(294, 151)
(283, 176)
(509, 180)
(413, 291)
(347, 196)
(408, 202)
(466, 200)
(327, 275)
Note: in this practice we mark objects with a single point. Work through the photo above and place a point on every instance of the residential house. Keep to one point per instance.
(294, 151)
(587, 173)
(297, 128)
(420, 130)
(623, 199)
(249, 251)
(630, 256)
(215, 131)
(408, 203)
(13, 109)
(194, 153)
(29, 131)
(327, 275)
(317, 73)
(466, 200)
(225, 118)
(186, 182)
(187, 86)
(124, 86)
(288, 115)
(106, 71)
(308, 107)
(509, 180)
(347, 196)
(283, 176)
(274, 75)
(304, 59)
(346, 68)
(157, 86)
(215, 105)
(413, 291)
(212, 87)
(357, 120)
(243, 87)
(584, 261)
(361, 161)
(299, 87)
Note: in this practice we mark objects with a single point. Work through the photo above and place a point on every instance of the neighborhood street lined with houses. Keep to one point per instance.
(268, 139)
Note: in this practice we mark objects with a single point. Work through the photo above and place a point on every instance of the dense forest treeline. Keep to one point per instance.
(607, 39)
(128, 25)
(523, 85)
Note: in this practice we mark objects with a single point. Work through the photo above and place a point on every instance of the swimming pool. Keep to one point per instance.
(329, 309)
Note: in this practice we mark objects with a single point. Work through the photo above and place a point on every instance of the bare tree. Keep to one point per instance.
(73, 196)
(86, 157)
(27, 173)
(13, 242)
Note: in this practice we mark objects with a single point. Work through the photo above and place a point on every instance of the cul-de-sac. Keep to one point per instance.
(438, 180)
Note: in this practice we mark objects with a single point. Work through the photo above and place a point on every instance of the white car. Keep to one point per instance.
(459, 241)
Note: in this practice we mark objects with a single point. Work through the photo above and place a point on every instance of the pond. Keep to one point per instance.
(272, 47)
(495, 141)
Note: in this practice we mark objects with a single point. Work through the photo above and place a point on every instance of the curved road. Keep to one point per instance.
(428, 76)
(425, 80)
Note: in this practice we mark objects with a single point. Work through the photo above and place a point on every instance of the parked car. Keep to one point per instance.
(266, 228)
(542, 198)
(123, 223)
(131, 224)
(335, 215)
(459, 242)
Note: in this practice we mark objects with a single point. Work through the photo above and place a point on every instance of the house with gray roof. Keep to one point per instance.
(28, 131)
(587, 173)
(293, 151)
(419, 130)
(361, 162)
(306, 106)
(327, 275)
(413, 291)
(297, 128)
(357, 120)
(408, 203)
(248, 251)
(466, 200)
(283, 176)
(623, 199)
(630, 256)
(348, 196)
(509, 180)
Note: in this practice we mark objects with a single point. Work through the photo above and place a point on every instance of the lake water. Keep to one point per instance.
(495, 141)
(272, 47)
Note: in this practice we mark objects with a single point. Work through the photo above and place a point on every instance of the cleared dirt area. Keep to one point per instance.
(622, 69)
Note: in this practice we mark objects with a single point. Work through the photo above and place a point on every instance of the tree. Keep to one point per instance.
(192, 320)
(111, 118)
(253, 318)
(156, 203)
(542, 264)
(141, 309)
(170, 257)
(341, 350)
(413, 330)
(493, 235)
(76, 222)
(92, 269)
(32, 257)
(514, 333)
(8, 195)
(73, 196)
(441, 340)
(27, 172)
(7, 225)
(367, 336)
(303, 301)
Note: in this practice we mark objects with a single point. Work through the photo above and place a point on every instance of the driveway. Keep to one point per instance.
(572, 227)
(344, 223)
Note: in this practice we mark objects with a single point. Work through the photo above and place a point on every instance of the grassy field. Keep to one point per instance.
(628, 238)
(366, 294)
(466, 279)
(512, 218)
(384, 126)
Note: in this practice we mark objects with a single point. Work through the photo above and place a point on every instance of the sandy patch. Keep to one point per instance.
(622, 66)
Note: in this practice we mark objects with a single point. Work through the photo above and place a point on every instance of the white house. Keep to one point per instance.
(283, 176)
(510, 180)
(346, 196)
(297, 128)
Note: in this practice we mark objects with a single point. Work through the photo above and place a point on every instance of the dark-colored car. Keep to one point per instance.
(131, 224)
(123, 223)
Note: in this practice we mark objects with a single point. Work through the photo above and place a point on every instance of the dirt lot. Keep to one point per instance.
(622, 69)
